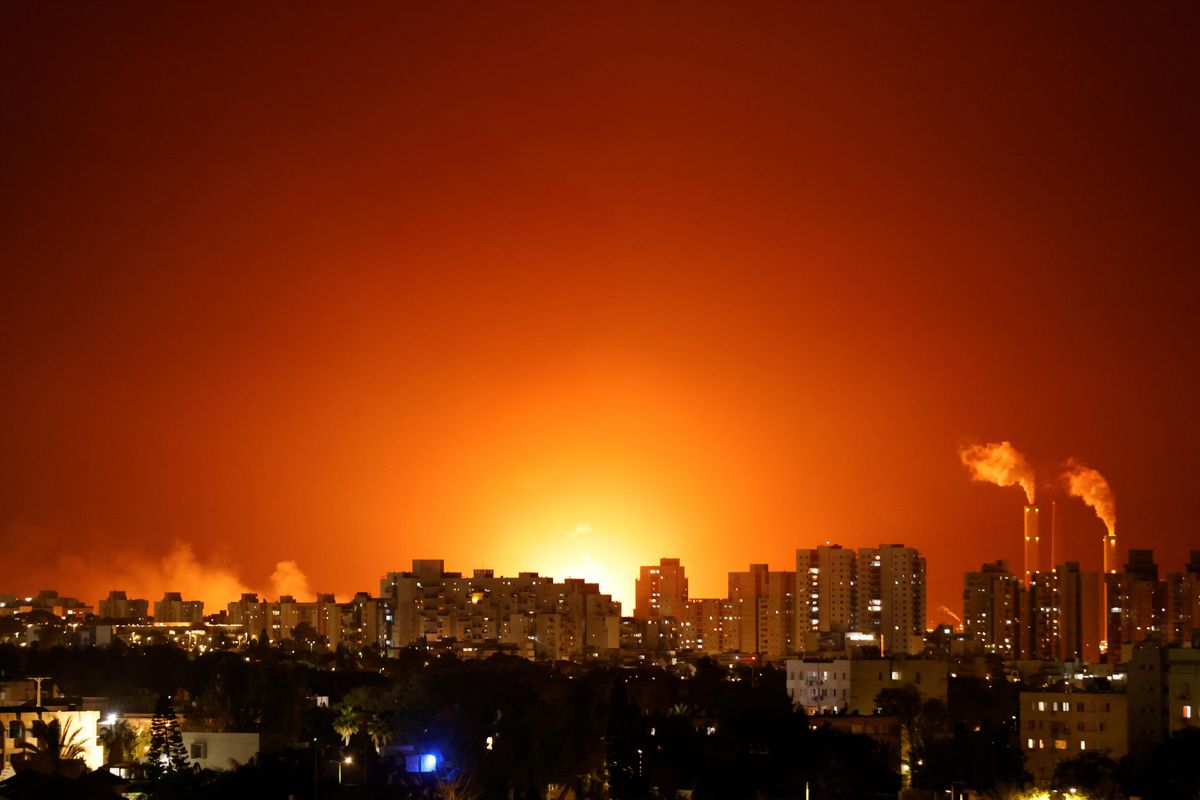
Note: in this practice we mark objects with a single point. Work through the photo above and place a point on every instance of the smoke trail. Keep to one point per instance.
(999, 463)
(1090, 486)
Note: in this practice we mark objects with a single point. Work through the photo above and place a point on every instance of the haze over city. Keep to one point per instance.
(291, 300)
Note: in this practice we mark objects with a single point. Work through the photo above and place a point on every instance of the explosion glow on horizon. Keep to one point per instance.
(348, 289)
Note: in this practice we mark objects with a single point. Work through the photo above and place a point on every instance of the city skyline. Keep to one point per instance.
(180, 568)
(288, 580)
(570, 289)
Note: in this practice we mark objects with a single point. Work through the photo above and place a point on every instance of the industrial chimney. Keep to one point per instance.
(1110, 561)
(1031, 542)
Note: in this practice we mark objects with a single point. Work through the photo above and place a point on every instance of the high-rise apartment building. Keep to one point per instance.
(762, 603)
(1055, 617)
(1136, 599)
(359, 624)
(825, 593)
(1079, 617)
(1182, 624)
(530, 615)
(1041, 610)
(891, 596)
(704, 626)
(991, 598)
(662, 591)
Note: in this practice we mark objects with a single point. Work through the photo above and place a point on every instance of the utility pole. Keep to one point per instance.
(38, 679)
(316, 782)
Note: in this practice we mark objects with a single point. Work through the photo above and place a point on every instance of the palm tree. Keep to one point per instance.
(346, 723)
(118, 740)
(378, 730)
(56, 745)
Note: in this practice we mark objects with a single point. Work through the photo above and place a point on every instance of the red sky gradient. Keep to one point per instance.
(354, 286)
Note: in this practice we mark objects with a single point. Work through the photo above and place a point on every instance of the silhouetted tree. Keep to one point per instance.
(1092, 772)
(118, 740)
(55, 744)
(1171, 773)
(166, 740)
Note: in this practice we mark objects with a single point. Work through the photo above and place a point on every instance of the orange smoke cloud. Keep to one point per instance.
(288, 579)
(179, 571)
(1090, 486)
(999, 463)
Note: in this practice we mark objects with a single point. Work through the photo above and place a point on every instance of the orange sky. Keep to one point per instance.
(572, 288)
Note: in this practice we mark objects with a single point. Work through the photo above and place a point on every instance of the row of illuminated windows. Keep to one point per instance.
(1064, 705)
(1059, 744)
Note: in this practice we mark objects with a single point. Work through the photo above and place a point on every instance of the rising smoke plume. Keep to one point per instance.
(999, 463)
(1090, 486)
(178, 571)
(288, 579)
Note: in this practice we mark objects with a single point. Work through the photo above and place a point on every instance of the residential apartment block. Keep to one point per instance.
(1057, 726)
(531, 615)
(661, 591)
(852, 685)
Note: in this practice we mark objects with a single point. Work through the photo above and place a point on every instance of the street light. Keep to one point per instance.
(347, 760)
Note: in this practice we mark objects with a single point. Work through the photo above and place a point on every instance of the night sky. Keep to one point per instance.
(571, 287)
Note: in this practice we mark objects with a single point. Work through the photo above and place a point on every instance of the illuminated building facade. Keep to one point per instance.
(1182, 623)
(1059, 726)
(118, 606)
(761, 602)
(991, 599)
(851, 685)
(532, 615)
(661, 591)
(891, 597)
(704, 626)
(173, 608)
(1137, 600)
(825, 593)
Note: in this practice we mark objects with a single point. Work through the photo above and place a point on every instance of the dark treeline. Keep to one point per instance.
(503, 727)
(510, 728)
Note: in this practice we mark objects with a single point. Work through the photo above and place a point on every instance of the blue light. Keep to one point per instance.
(428, 762)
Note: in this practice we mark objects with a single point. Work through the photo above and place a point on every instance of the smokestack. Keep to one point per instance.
(1004, 465)
(1053, 535)
(1090, 486)
(1031, 542)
